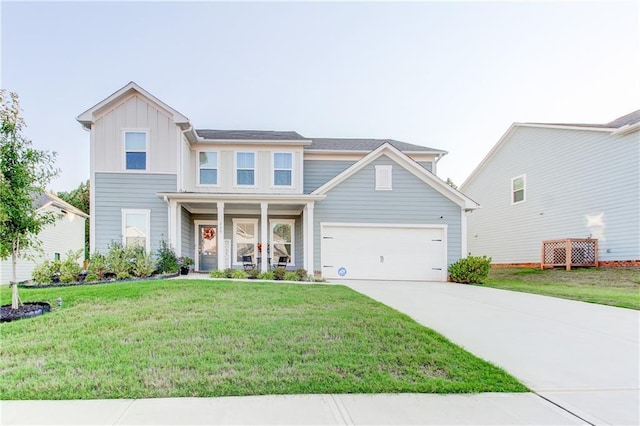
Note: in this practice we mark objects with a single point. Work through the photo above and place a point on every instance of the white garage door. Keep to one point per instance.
(384, 252)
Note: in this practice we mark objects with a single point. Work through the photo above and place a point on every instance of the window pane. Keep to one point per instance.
(282, 233)
(245, 177)
(518, 196)
(245, 250)
(245, 232)
(245, 160)
(136, 230)
(282, 161)
(209, 160)
(136, 160)
(209, 176)
(135, 141)
(282, 177)
(518, 184)
(282, 250)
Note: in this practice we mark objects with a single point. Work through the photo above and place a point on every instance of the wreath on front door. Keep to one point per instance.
(209, 233)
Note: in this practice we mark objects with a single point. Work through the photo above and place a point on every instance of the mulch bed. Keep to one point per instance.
(27, 310)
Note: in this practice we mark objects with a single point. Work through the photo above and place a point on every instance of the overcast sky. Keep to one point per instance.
(452, 76)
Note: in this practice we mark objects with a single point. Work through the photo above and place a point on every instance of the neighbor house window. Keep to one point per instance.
(518, 185)
(135, 147)
(135, 228)
(245, 239)
(245, 168)
(383, 178)
(282, 239)
(282, 168)
(208, 168)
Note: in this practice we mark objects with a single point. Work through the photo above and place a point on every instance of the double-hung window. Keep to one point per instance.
(135, 228)
(135, 148)
(245, 238)
(245, 168)
(208, 168)
(518, 185)
(282, 169)
(283, 239)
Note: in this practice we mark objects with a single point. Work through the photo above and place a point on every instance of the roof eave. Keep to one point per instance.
(293, 142)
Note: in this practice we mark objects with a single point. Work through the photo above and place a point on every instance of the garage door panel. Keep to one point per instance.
(379, 252)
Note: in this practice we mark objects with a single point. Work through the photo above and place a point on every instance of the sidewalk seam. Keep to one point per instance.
(117, 421)
(564, 409)
(340, 410)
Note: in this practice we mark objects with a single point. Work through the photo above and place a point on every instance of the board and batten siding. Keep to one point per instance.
(117, 191)
(411, 201)
(579, 184)
(135, 113)
(66, 233)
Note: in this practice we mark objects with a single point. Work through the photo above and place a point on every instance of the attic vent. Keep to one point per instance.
(384, 178)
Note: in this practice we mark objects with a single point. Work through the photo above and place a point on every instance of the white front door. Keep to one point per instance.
(384, 252)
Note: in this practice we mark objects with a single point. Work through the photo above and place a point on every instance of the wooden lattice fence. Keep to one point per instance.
(569, 253)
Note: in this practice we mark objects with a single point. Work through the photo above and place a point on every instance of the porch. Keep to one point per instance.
(217, 230)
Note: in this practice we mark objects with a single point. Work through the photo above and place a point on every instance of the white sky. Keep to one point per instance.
(452, 76)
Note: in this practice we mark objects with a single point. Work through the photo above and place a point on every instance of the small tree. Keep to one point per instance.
(24, 174)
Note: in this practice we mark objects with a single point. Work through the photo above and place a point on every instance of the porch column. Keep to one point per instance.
(308, 229)
(221, 254)
(264, 264)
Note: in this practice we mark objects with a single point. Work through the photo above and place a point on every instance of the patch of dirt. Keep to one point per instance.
(27, 310)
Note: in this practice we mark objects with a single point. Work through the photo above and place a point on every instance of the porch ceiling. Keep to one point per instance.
(241, 208)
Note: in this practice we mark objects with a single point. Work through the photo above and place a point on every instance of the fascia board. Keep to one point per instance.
(294, 142)
(196, 197)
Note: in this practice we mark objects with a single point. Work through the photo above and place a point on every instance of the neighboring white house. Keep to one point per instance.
(66, 233)
(557, 181)
(342, 208)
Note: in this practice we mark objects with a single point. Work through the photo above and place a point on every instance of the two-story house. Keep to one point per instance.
(340, 208)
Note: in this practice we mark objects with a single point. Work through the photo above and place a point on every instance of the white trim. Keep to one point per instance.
(123, 225)
(292, 223)
(92, 191)
(568, 127)
(235, 169)
(463, 233)
(207, 185)
(524, 189)
(147, 161)
(234, 246)
(295, 142)
(196, 224)
(221, 249)
(384, 177)
(273, 169)
(308, 235)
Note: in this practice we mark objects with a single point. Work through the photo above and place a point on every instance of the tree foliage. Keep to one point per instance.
(24, 174)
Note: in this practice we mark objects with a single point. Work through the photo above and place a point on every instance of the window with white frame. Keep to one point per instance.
(282, 237)
(135, 150)
(246, 168)
(518, 186)
(282, 169)
(136, 225)
(384, 178)
(208, 168)
(245, 239)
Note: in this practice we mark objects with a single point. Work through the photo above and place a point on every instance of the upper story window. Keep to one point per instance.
(135, 148)
(282, 169)
(246, 168)
(384, 178)
(518, 186)
(208, 168)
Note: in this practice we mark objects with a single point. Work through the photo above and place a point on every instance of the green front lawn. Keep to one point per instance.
(606, 286)
(176, 338)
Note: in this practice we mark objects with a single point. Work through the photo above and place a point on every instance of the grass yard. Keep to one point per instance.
(615, 287)
(195, 338)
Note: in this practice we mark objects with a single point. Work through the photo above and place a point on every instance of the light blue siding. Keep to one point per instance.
(579, 183)
(411, 201)
(427, 165)
(117, 191)
(187, 240)
(319, 172)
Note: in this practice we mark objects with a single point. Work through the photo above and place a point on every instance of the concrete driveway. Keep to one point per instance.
(581, 356)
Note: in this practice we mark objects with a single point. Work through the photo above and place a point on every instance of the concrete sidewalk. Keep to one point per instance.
(385, 409)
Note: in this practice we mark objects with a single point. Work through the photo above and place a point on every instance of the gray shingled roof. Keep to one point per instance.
(625, 120)
(333, 144)
(266, 135)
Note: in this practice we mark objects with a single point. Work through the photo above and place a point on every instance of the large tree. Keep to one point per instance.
(25, 173)
(80, 198)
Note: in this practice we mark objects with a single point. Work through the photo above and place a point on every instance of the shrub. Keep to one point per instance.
(143, 265)
(228, 273)
(123, 276)
(239, 274)
(253, 273)
(279, 273)
(471, 269)
(98, 265)
(291, 276)
(121, 260)
(45, 271)
(167, 262)
(70, 268)
(218, 274)
(302, 274)
(266, 275)
(91, 277)
(185, 262)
